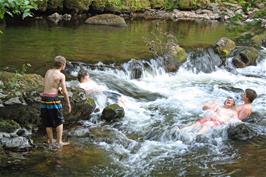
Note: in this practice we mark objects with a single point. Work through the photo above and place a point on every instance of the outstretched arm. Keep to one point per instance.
(65, 93)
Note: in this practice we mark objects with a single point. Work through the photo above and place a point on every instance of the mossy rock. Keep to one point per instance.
(21, 82)
(158, 4)
(106, 19)
(55, 4)
(259, 39)
(224, 46)
(77, 5)
(246, 56)
(113, 112)
(192, 4)
(8, 126)
(179, 53)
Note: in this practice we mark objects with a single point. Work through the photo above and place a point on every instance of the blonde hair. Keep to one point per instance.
(59, 61)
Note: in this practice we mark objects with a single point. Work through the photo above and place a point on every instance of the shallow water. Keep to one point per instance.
(153, 139)
(38, 43)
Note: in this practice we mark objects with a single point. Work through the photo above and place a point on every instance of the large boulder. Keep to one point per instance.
(113, 112)
(246, 56)
(77, 5)
(240, 132)
(107, 19)
(21, 100)
(224, 46)
(259, 39)
(204, 60)
(177, 56)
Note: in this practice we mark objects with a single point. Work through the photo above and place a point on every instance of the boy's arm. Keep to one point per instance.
(65, 93)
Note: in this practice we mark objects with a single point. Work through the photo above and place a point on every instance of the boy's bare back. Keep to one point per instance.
(52, 80)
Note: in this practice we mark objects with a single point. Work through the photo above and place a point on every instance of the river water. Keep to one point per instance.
(153, 139)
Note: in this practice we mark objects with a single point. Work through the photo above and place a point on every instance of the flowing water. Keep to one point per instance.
(153, 139)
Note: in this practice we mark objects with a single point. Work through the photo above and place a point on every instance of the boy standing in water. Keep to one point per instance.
(51, 107)
(245, 110)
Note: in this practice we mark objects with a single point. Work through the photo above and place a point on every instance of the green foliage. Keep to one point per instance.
(171, 4)
(17, 7)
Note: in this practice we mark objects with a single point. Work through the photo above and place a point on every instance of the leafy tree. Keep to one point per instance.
(17, 7)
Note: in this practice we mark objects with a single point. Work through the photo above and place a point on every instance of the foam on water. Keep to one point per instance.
(162, 125)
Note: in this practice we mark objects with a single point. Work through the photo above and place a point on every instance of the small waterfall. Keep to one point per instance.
(162, 107)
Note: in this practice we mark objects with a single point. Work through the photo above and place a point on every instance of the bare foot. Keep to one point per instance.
(49, 142)
(63, 143)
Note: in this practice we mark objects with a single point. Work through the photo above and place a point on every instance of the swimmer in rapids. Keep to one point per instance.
(91, 87)
(217, 115)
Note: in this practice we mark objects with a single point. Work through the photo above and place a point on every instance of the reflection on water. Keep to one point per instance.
(38, 43)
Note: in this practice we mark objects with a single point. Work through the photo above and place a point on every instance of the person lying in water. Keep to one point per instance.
(92, 88)
(216, 115)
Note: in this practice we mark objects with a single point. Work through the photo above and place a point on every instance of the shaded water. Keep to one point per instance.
(152, 138)
(38, 43)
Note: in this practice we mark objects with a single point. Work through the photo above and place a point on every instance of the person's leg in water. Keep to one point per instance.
(59, 134)
(49, 132)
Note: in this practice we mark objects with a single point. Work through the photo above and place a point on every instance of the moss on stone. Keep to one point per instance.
(77, 5)
(21, 82)
(8, 126)
(258, 39)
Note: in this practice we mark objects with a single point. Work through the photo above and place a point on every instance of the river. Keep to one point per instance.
(152, 139)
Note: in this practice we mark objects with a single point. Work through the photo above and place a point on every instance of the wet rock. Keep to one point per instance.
(255, 117)
(82, 106)
(113, 112)
(79, 132)
(224, 46)
(204, 60)
(135, 68)
(177, 56)
(246, 56)
(241, 132)
(66, 17)
(259, 39)
(55, 18)
(16, 143)
(16, 100)
(107, 19)
(8, 126)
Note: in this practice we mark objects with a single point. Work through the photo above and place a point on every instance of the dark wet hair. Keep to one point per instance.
(251, 95)
(82, 74)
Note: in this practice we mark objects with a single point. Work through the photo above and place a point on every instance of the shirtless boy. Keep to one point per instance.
(245, 110)
(51, 107)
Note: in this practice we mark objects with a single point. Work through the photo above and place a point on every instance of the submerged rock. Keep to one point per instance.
(204, 60)
(113, 112)
(241, 132)
(224, 46)
(107, 19)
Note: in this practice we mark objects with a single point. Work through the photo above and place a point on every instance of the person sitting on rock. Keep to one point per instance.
(245, 110)
(92, 88)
